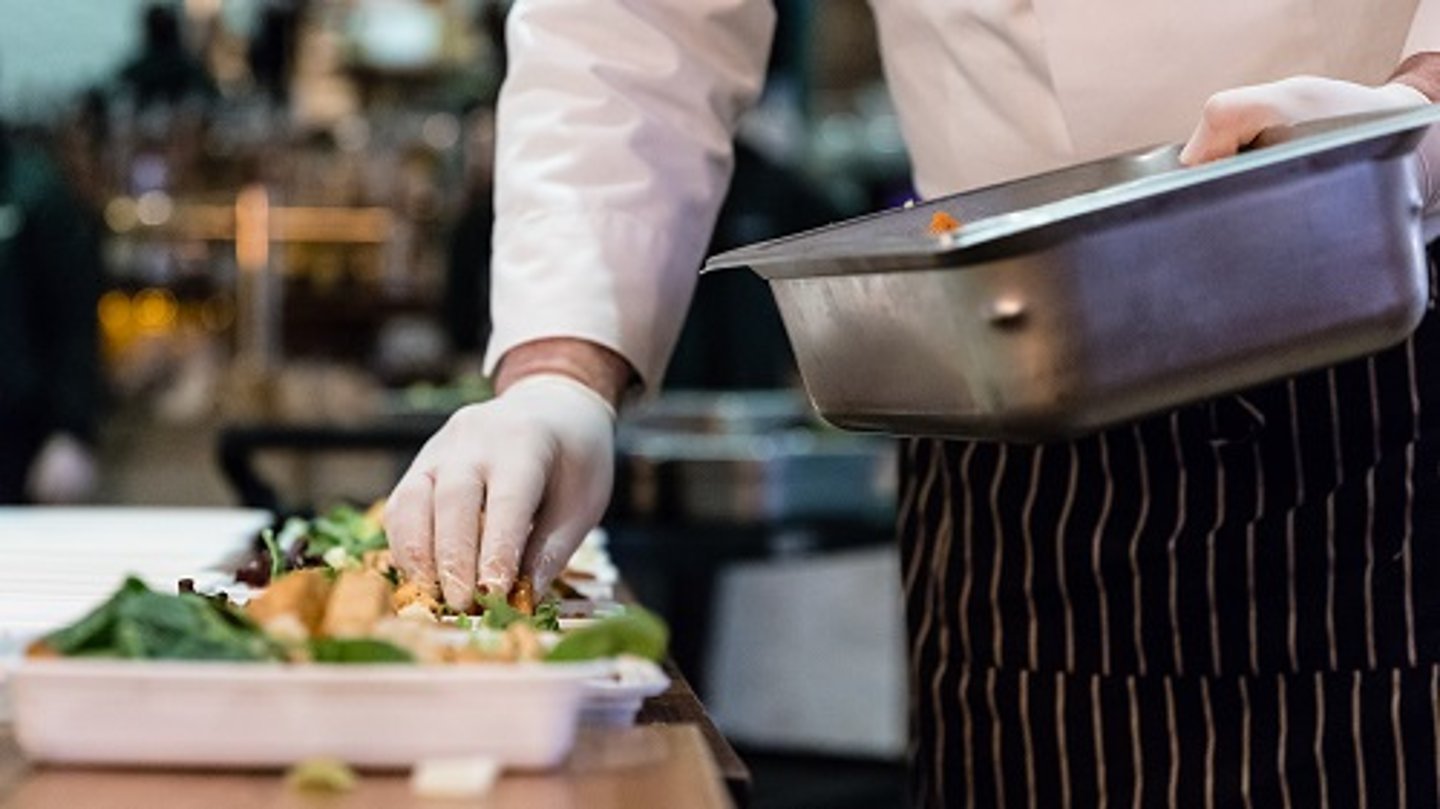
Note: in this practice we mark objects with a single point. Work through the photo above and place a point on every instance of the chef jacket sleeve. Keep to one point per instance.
(613, 153)
(1424, 29)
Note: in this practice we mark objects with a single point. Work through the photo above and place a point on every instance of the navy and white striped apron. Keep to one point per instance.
(1236, 604)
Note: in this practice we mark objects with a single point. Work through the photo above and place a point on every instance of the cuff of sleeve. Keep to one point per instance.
(616, 279)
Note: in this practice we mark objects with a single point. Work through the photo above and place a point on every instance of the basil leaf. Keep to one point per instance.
(357, 650)
(138, 623)
(95, 632)
(636, 631)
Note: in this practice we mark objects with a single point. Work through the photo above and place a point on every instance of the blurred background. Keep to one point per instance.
(256, 233)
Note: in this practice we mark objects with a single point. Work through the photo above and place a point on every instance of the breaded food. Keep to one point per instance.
(380, 561)
(409, 593)
(359, 599)
(942, 223)
(301, 595)
(522, 596)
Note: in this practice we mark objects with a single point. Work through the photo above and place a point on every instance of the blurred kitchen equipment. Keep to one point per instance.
(748, 458)
(1077, 299)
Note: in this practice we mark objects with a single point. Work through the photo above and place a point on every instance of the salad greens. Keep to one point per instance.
(636, 631)
(277, 557)
(499, 615)
(139, 623)
(343, 532)
(357, 650)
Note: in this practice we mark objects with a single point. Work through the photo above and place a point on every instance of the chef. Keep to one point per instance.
(1231, 604)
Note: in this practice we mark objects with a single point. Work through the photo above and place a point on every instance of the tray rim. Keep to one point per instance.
(1336, 133)
(267, 672)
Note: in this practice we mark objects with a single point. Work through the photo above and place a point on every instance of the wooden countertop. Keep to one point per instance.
(680, 706)
(654, 765)
(675, 757)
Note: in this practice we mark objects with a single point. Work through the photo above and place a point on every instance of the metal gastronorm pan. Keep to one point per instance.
(1092, 295)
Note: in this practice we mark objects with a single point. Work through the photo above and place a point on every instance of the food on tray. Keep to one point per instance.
(341, 538)
(359, 599)
(344, 539)
(306, 617)
(139, 623)
(942, 223)
(292, 605)
(321, 775)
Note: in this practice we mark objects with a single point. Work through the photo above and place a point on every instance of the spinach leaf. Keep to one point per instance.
(357, 650)
(636, 632)
(95, 631)
(138, 623)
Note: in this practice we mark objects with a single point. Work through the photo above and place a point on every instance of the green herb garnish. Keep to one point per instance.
(138, 623)
(357, 650)
(343, 531)
(277, 556)
(547, 615)
(496, 613)
(635, 631)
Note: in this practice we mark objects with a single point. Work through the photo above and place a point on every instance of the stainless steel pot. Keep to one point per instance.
(1086, 297)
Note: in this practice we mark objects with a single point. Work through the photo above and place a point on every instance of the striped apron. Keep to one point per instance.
(1236, 604)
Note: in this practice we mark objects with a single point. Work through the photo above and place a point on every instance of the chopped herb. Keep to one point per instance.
(277, 556)
(547, 615)
(497, 614)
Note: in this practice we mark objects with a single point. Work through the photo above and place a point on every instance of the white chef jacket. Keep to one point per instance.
(613, 145)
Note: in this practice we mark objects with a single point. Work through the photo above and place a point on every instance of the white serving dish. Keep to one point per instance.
(61, 562)
(260, 715)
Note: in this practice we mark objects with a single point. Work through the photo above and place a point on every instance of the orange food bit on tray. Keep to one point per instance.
(942, 223)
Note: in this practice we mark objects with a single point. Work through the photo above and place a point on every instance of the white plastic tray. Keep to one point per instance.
(615, 701)
(256, 715)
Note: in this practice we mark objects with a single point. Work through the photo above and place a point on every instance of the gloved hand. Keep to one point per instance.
(63, 472)
(1234, 118)
(539, 458)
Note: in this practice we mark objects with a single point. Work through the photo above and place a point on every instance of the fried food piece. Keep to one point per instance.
(522, 596)
(518, 643)
(380, 561)
(524, 642)
(40, 650)
(295, 598)
(409, 593)
(359, 599)
(421, 637)
(942, 223)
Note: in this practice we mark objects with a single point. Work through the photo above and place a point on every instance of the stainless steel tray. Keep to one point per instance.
(1086, 297)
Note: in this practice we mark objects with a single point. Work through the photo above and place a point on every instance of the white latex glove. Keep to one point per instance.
(63, 472)
(539, 459)
(1233, 118)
